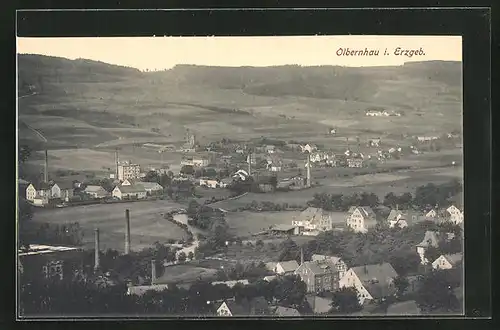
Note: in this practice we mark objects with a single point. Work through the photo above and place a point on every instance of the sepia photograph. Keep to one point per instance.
(240, 177)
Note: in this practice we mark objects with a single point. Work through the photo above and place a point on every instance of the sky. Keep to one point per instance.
(165, 52)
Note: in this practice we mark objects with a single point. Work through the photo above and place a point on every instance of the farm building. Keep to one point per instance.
(133, 191)
(361, 218)
(426, 138)
(285, 267)
(284, 230)
(447, 261)
(373, 282)
(96, 191)
(151, 187)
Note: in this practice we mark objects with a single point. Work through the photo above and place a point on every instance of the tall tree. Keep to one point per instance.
(345, 301)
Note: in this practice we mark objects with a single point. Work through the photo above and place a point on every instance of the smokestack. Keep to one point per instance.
(46, 173)
(301, 255)
(116, 163)
(249, 159)
(308, 170)
(153, 271)
(97, 261)
(127, 231)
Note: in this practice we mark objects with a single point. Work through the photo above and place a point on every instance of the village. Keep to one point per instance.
(296, 259)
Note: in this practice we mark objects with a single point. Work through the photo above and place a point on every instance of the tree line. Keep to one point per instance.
(425, 197)
(69, 297)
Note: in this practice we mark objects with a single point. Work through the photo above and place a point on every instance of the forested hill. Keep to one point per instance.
(37, 70)
(327, 82)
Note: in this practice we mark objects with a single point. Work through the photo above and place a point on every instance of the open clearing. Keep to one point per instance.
(185, 273)
(146, 223)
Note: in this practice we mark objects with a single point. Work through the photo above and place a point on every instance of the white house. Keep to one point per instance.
(96, 191)
(129, 192)
(447, 261)
(371, 281)
(431, 214)
(456, 216)
(308, 148)
(62, 190)
(340, 265)
(361, 218)
(286, 267)
(431, 238)
(313, 219)
(41, 190)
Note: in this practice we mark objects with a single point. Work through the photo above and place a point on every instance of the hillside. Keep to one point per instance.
(83, 103)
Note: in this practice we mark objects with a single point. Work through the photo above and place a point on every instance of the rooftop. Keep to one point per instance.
(283, 227)
(289, 266)
(286, 311)
(375, 278)
(139, 290)
(42, 249)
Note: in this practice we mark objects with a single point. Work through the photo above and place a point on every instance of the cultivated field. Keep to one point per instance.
(146, 223)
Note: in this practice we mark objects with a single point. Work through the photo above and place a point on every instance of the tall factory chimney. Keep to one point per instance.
(116, 163)
(97, 261)
(301, 255)
(127, 231)
(308, 165)
(46, 172)
(249, 160)
(153, 271)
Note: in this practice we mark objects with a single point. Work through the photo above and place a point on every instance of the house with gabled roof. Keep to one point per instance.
(372, 282)
(151, 187)
(96, 191)
(403, 219)
(38, 190)
(254, 307)
(456, 215)
(62, 190)
(340, 265)
(431, 238)
(447, 261)
(313, 219)
(129, 191)
(319, 276)
(286, 267)
(361, 218)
